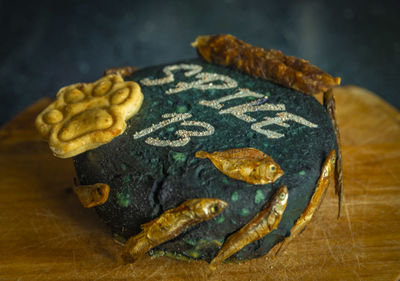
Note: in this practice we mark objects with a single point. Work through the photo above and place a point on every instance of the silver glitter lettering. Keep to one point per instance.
(163, 143)
(218, 103)
(208, 81)
(173, 117)
(286, 116)
(184, 135)
(240, 110)
(169, 76)
(280, 120)
(208, 132)
(205, 82)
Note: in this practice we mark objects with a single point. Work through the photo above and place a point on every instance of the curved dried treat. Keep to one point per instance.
(170, 224)
(330, 105)
(262, 224)
(247, 164)
(272, 65)
(92, 195)
(327, 171)
(87, 115)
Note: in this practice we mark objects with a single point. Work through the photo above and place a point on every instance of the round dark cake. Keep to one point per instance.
(192, 106)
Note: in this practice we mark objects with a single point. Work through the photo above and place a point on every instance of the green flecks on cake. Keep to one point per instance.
(123, 167)
(220, 219)
(244, 212)
(235, 196)
(206, 243)
(123, 199)
(259, 197)
(92, 157)
(220, 241)
(182, 109)
(178, 156)
(191, 242)
(161, 253)
(302, 173)
(225, 180)
(126, 179)
(200, 245)
(192, 253)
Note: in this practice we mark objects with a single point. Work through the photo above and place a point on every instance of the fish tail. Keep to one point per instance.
(202, 154)
(229, 248)
(212, 266)
(135, 247)
(215, 263)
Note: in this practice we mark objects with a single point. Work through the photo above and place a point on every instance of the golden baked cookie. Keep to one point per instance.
(87, 115)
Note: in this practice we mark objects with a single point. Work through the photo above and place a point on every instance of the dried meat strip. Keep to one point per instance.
(272, 65)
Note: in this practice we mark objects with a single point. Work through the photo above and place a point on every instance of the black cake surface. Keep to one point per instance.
(151, 168)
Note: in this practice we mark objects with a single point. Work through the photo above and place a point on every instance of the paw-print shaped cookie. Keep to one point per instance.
(87, 115)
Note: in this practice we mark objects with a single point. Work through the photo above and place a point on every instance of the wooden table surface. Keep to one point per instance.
(47, 235)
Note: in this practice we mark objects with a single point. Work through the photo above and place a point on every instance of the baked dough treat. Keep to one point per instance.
(87, 115)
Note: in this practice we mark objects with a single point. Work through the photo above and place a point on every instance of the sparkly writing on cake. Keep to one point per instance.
(206, 81)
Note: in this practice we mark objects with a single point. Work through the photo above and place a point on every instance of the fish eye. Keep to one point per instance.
(214, 209)
(282, 196)
(272, 168)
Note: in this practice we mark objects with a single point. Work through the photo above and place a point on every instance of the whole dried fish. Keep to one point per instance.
(262, 224)
(247, 164)
(170, 224)
(272, 65)
(327, 171)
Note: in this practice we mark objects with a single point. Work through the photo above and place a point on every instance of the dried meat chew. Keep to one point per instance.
(122, 71)
(330, 105)
(272, 65)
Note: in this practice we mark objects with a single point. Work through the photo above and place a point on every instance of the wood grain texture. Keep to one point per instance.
(47, 235)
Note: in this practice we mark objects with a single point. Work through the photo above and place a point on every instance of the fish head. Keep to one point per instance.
(269, 171)
(207, 208)
(281, 200)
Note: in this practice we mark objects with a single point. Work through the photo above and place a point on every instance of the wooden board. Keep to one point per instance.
(47, 235)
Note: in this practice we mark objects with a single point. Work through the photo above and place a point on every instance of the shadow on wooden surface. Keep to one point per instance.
(47, 235)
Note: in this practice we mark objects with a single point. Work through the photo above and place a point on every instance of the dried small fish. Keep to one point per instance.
(247, 164)
(322, 184)
(271, 64)
(330, 105)
(262, 224)
(92, 195)
(170, 224)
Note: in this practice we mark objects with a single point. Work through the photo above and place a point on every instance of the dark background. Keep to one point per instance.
(48, 44)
